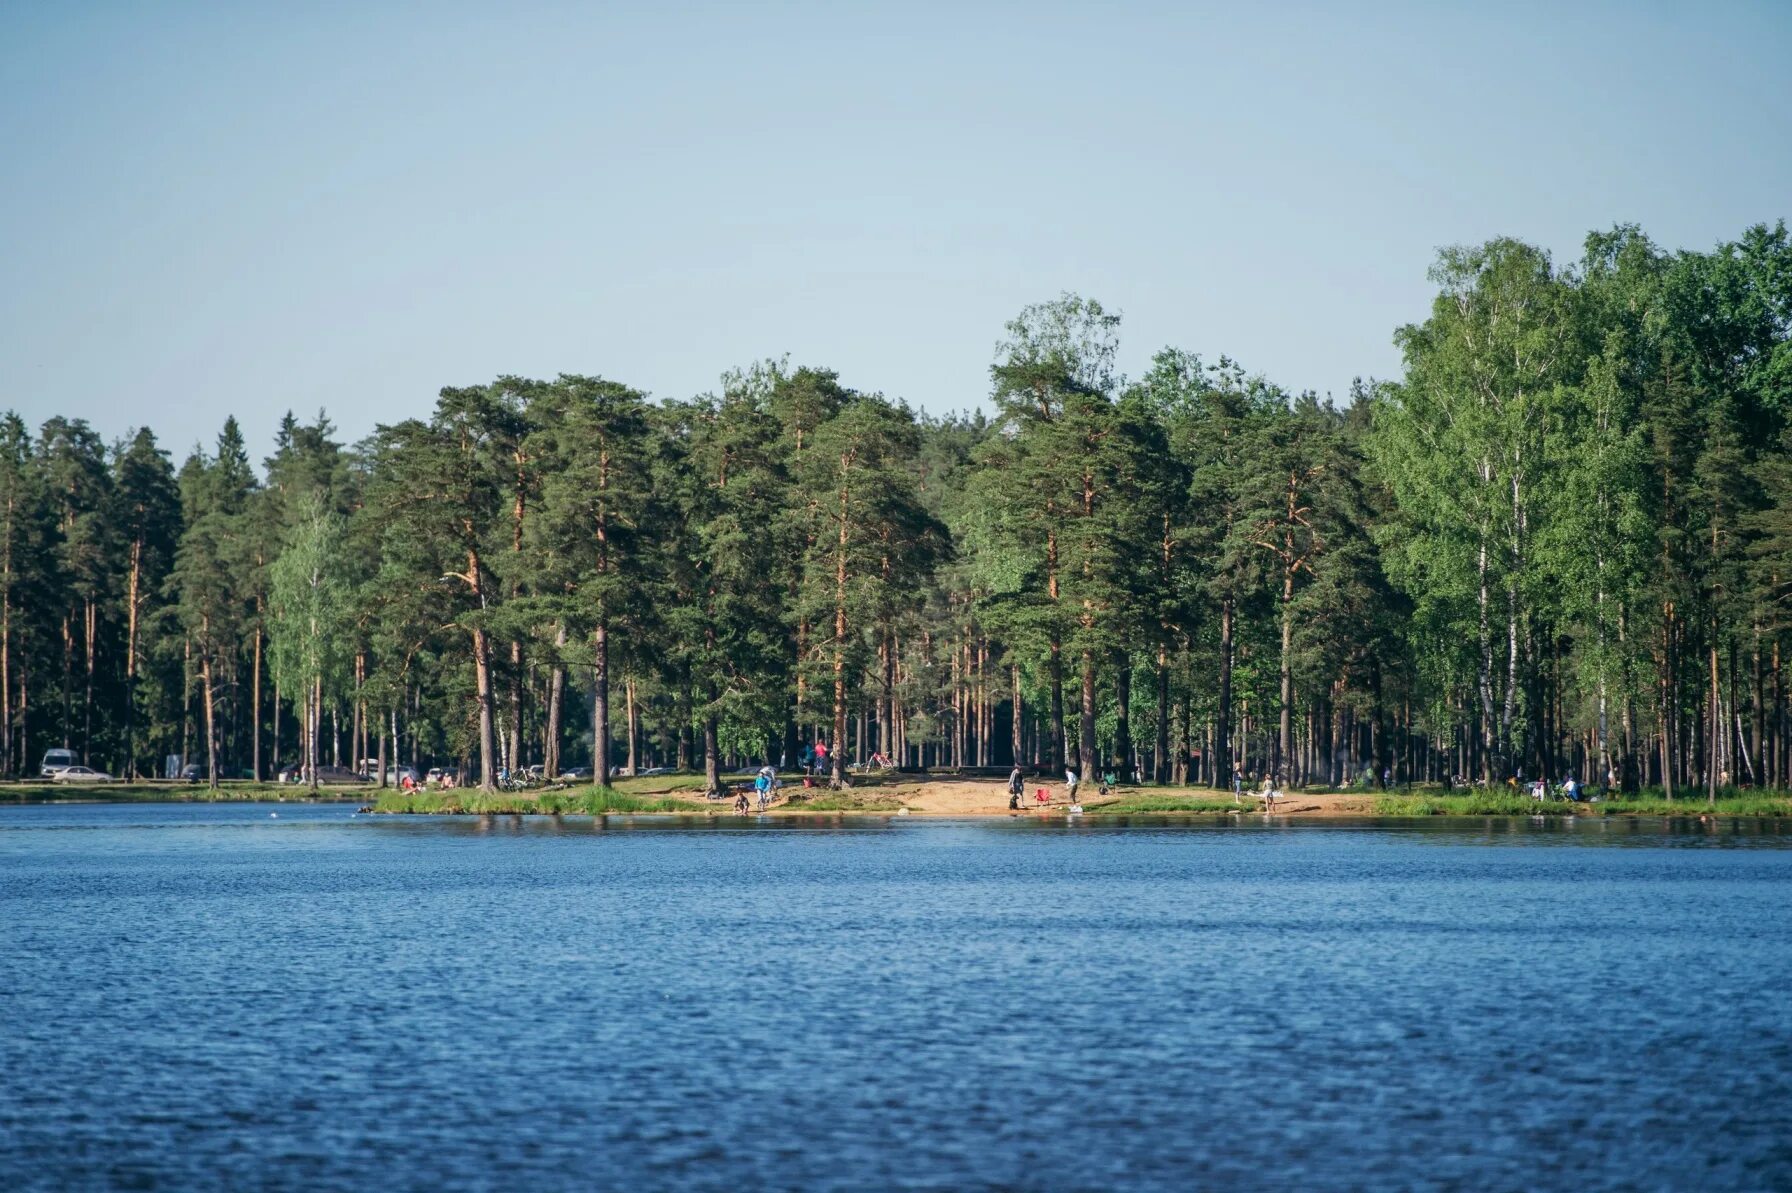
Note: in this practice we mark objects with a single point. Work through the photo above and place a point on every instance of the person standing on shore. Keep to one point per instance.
(1016, 783)
(1070, 781)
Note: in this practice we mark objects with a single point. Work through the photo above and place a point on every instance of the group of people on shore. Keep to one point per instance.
(1017, 785)
(814, 758)
(765, 790)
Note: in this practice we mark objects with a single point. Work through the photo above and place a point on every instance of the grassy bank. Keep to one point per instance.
(1139, 805)
(581, 801)
(1506, 804)
(168, 791)
(661, 793)
(840, 801)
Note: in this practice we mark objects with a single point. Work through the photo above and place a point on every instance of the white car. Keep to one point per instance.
(81, 774)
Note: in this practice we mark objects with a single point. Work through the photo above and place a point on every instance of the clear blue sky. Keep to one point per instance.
(245, 208)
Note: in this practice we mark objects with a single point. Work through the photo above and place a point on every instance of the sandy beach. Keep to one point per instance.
(929, 796)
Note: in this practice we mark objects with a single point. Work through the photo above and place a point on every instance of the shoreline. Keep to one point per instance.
(902, 795)
(983, 798)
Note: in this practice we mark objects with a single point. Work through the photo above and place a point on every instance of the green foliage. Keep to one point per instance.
(591, 801)
(1146, 805)
(1504, 804)
(1560, 540)
(841, 801)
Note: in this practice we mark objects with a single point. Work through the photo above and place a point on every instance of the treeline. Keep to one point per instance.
(1561, 542)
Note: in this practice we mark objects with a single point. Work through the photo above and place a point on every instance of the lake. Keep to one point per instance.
(207, 996)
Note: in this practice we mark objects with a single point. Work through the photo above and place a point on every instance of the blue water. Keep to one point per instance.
(205, 997)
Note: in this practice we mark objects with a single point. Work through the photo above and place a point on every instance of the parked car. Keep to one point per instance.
(55, 760)
(578, 774)
(192, 772)
(81, 774)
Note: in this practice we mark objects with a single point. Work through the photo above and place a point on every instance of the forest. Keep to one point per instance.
(1559, 543)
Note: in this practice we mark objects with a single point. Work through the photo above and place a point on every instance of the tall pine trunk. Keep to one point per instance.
(482, 679)
(1123, 767)
(255, 711)
(1086, 723)
(556, 693)
(600, 705)
(1018, 726)
(634, 723)
(1285, 730)
(1223, 764)
(516, 705)
(1714, 758)
(684, 720)
(488, 737)
(712, 758)
(211, 733)
(837, 758)
(88, 631)
(1160, 757)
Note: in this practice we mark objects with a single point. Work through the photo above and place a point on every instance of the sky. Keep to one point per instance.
(250, 208)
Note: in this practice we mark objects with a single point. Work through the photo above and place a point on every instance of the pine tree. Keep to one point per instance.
(150, 522)
(79, 487)
(731, 491)
(1052, 384)
(593, 442)
(29, 590)
(873, 541)
(437, 488)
